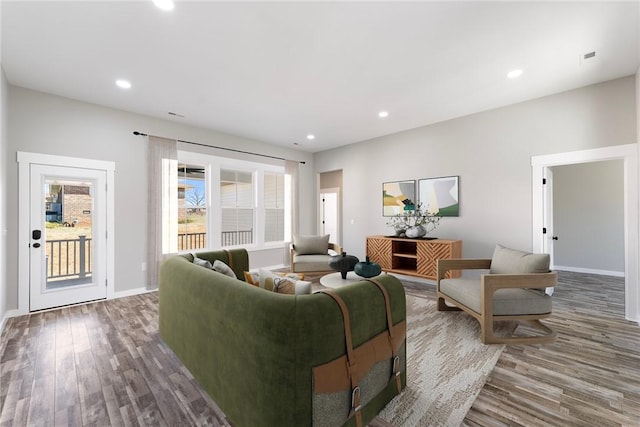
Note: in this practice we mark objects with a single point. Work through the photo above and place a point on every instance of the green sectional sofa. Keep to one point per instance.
(254, 351)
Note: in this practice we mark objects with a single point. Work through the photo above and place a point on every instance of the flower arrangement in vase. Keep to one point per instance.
(414, 223)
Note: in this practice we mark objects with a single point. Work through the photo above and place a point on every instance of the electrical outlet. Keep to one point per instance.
(144, 266)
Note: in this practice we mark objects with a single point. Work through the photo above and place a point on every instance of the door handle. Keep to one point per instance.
(36, 245)
(554, 238)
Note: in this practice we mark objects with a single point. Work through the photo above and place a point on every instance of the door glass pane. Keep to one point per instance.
(192, 207)
(68, 231)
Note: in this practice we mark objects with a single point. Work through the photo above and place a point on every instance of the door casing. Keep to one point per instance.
(25, 160)
(628, 153)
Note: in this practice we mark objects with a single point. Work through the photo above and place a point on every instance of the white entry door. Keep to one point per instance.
(67, 247)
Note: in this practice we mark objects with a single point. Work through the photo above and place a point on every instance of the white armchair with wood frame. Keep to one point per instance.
(310, 254)
(517, 287)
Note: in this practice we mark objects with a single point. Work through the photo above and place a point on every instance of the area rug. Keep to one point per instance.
(447, 366)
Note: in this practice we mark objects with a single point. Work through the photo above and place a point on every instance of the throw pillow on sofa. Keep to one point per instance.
(202, 262)
(218, 266)
(223, 268)
(253, 277)
(284, 285)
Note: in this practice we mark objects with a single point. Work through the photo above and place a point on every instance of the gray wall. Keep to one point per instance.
(49, 124)
(588, 216)
(491, 152)
(3, 194)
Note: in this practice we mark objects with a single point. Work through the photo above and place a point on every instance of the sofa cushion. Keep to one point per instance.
(223, 268)
(309, 245)
(506, 302)
(512, 261)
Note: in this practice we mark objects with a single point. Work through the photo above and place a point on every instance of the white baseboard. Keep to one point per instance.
(9, 314)
(132, 292)
(589, 271)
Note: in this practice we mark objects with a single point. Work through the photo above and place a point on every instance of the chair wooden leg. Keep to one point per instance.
(442, 306)
(547, 335)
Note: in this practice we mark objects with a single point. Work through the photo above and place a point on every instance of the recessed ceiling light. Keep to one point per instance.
(124, 84)
(164, 4)
(514, 73)
(310, 136)
(383, 114)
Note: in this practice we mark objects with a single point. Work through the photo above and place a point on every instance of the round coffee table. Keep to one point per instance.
(335, 280)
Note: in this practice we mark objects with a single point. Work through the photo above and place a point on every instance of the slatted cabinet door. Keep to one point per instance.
(379, 250)
(430, 251)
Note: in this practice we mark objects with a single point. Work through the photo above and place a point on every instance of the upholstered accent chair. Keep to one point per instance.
(312, 253)
(518, 287)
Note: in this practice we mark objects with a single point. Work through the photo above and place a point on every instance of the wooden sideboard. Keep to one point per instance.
(413, 257)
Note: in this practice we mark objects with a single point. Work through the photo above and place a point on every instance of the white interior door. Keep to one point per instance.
(67, 248)
(330, 213)
(549, 236)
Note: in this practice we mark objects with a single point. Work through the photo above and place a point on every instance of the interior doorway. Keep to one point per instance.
(588, 218)
(541, 241)
(329, 213)
(66, 212)
(330, 205)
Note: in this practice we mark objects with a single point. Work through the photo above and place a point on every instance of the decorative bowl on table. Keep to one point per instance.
(343, 263)
(367, 269)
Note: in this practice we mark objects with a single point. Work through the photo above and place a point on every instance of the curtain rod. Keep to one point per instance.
(225, 148)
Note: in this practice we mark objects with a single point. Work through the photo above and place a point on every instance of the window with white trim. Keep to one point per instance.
(226, 202)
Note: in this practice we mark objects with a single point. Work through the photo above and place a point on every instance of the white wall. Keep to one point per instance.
(491, 152)
(3, 196)
(50, 124)
(588, 206)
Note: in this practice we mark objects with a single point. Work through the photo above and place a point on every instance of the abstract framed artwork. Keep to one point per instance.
(398, 196)
(440, 195)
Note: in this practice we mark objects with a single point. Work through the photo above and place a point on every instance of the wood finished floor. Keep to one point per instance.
(104, 364)
(97, 364)
(589, 377)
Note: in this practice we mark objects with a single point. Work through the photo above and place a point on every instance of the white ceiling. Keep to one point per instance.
(276, 72)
